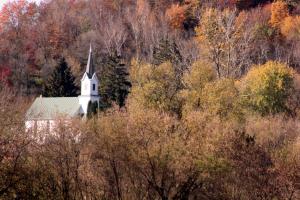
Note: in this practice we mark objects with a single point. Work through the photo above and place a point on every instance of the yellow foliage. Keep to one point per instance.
(201, 73)
(209, 27)
(266, 88)
(139, 72)
(220, 34)
(155, 87)
(221, 98)
(290, 27)
(279, 12)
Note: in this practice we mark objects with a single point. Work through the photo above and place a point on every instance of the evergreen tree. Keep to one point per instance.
(167, 51)
(114, 82)
(61, 82)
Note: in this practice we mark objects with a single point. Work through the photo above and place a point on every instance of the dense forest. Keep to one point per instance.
(200, 99)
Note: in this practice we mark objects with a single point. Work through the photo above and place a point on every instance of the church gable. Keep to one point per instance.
(85, 76)
(94, 77)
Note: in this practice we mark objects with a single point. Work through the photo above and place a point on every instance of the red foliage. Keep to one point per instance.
(5, 73)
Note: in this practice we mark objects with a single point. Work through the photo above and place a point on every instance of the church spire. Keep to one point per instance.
(89, 66)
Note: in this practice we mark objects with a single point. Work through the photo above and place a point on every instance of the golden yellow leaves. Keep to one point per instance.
(155, 87)
(290, 27)
(200, 74)
(266, 88)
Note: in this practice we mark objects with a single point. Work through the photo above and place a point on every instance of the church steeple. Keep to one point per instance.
(90, 67)
(89, 85)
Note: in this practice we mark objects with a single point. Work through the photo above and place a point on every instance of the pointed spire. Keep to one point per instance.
(89, 66)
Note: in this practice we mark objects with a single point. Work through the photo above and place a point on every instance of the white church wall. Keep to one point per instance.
(89, 87)
(30, 125)
(41, 129)
(94, 86)
(84, 101)
(85, 86)
(39, 125)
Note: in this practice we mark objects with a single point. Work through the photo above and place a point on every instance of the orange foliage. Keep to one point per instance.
(176, 16)
(279, 11)
(15, 11)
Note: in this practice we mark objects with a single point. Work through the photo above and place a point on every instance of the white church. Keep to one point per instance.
(45, 111)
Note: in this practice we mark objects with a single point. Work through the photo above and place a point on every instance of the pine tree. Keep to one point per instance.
(61, 82)
(114, 82)
(167, 51)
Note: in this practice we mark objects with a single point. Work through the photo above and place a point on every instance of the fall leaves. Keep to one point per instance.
(178, 14)
(287, 24)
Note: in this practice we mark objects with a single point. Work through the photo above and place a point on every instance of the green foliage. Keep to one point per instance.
(114, 82)
(267, 88)
(61, 82)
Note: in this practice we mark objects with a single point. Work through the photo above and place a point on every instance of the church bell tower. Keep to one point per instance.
(89, 85)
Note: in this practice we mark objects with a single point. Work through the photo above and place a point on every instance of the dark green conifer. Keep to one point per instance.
(114, 82)
(167, 51)
(61, 82)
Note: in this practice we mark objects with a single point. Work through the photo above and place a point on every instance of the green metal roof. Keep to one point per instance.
(52, 107)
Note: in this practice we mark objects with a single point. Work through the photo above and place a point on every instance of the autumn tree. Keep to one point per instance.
(290, 27)
(15, 170)
(176, 16)
(18, 39)
(168, 51)
(156, 87)
(267, 88)
(156, 149)
(279, 11)
(57, 161)
(220, 98)
(220, 34)
(195, 80)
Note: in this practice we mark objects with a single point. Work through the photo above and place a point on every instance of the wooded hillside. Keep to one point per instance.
(200, 99)
(231, 35)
